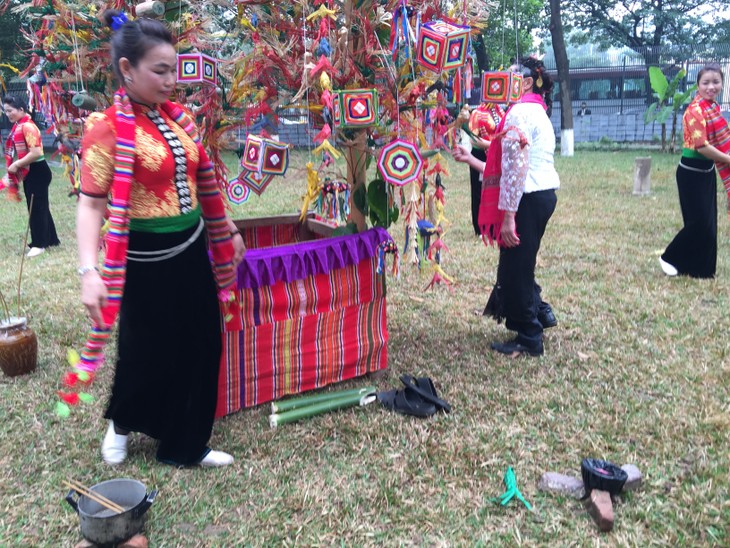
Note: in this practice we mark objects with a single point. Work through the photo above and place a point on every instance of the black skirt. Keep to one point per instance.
(36, 183)
(693, 251)
(166, 378)
(475, 178)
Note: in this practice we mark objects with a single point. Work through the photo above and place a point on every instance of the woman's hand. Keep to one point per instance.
(13, 168)
(461, 154)
(239, 248)
(508, 233)
(94, 296)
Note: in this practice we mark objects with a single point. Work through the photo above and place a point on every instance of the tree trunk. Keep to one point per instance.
(673, 138)
(355, 158)
(481, 53)
(563, 65)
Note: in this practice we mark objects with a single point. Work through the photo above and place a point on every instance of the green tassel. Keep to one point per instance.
(63, 410)
(510, 482)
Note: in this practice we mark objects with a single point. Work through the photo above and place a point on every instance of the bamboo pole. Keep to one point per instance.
(25, 244)
(304, 401)
(294, 415)
(356, 159)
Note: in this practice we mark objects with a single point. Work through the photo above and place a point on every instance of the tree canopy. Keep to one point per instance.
(495, 46)
(647, 24)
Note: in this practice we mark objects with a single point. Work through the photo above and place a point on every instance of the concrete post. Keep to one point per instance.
(642, 176)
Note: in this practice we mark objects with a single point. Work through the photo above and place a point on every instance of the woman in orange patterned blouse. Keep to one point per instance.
(693, 251)
(483, 124)
(30, 167)
(145, 153)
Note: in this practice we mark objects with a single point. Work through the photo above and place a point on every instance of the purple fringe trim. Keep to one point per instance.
(261, 267)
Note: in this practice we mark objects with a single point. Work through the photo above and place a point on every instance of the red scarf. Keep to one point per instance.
(718, 135)
(117, 239)
(490, 216)
(15, 143)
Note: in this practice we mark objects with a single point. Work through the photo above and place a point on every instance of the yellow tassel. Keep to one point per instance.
(9, 66)
(324, 81)
(443, 274)
(327, 146)
(312, 189)
(322, 11)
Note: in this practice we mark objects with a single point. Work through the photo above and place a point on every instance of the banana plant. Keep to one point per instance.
(670, 101)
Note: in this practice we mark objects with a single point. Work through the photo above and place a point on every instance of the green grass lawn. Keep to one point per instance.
(637, 371)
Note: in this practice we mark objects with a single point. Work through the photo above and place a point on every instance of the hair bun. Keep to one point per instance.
(115, 19)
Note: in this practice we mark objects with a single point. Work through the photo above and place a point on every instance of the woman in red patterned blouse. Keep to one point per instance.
(483, 124)
(26, 162)
(693, 251)
(145, 153)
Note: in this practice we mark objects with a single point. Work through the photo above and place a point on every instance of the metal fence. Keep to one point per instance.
(617, 81)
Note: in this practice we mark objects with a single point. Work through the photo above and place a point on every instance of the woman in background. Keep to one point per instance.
(483, 123)
(31, 168)
(693, 251)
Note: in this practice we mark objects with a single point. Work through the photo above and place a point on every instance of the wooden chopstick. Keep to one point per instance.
(101, 499)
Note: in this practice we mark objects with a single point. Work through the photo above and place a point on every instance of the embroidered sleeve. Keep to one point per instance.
(515, 147)
(32, 135)
(695, 127)
(97, 155)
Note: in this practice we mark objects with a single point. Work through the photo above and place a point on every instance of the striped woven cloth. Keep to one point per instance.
(304, 334)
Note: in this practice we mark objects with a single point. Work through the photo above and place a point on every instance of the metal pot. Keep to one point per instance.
(101, 525)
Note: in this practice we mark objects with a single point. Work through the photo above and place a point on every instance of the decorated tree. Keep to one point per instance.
(377, 81)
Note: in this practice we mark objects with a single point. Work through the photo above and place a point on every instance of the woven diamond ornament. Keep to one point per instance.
(442, 45)
(400, 162)
(265, 156)
(255, 181)
(501, 87)
(238, 193)
(355, 107)
(196, 68)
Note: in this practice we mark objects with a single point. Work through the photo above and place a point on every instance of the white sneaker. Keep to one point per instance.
(667, 268)
(114, 446)
(35, 251)
(215, 459)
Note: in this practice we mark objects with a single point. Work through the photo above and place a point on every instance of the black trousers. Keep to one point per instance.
(476, 189)
(693, 251)
(517, 296)
(35, 185)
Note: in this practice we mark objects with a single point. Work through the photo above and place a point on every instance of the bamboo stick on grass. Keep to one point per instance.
(319, 408)
(304, 401)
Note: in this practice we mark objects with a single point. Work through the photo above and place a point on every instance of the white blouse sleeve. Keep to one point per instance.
(515, 156)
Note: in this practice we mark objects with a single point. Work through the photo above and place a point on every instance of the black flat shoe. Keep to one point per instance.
(513, 349)
(547, 318)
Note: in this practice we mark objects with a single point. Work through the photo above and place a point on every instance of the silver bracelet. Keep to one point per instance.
(88, 268)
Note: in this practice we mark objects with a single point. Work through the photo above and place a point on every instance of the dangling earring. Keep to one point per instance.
(539, 82)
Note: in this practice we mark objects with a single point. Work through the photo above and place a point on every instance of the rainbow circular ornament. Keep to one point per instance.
(255, 181)
(238, 193)
(400, 162)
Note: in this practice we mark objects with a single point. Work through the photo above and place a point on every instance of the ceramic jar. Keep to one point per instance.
(18, 347)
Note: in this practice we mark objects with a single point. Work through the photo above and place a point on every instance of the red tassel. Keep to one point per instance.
(70, 379)
(457, 87)
(71, 398)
